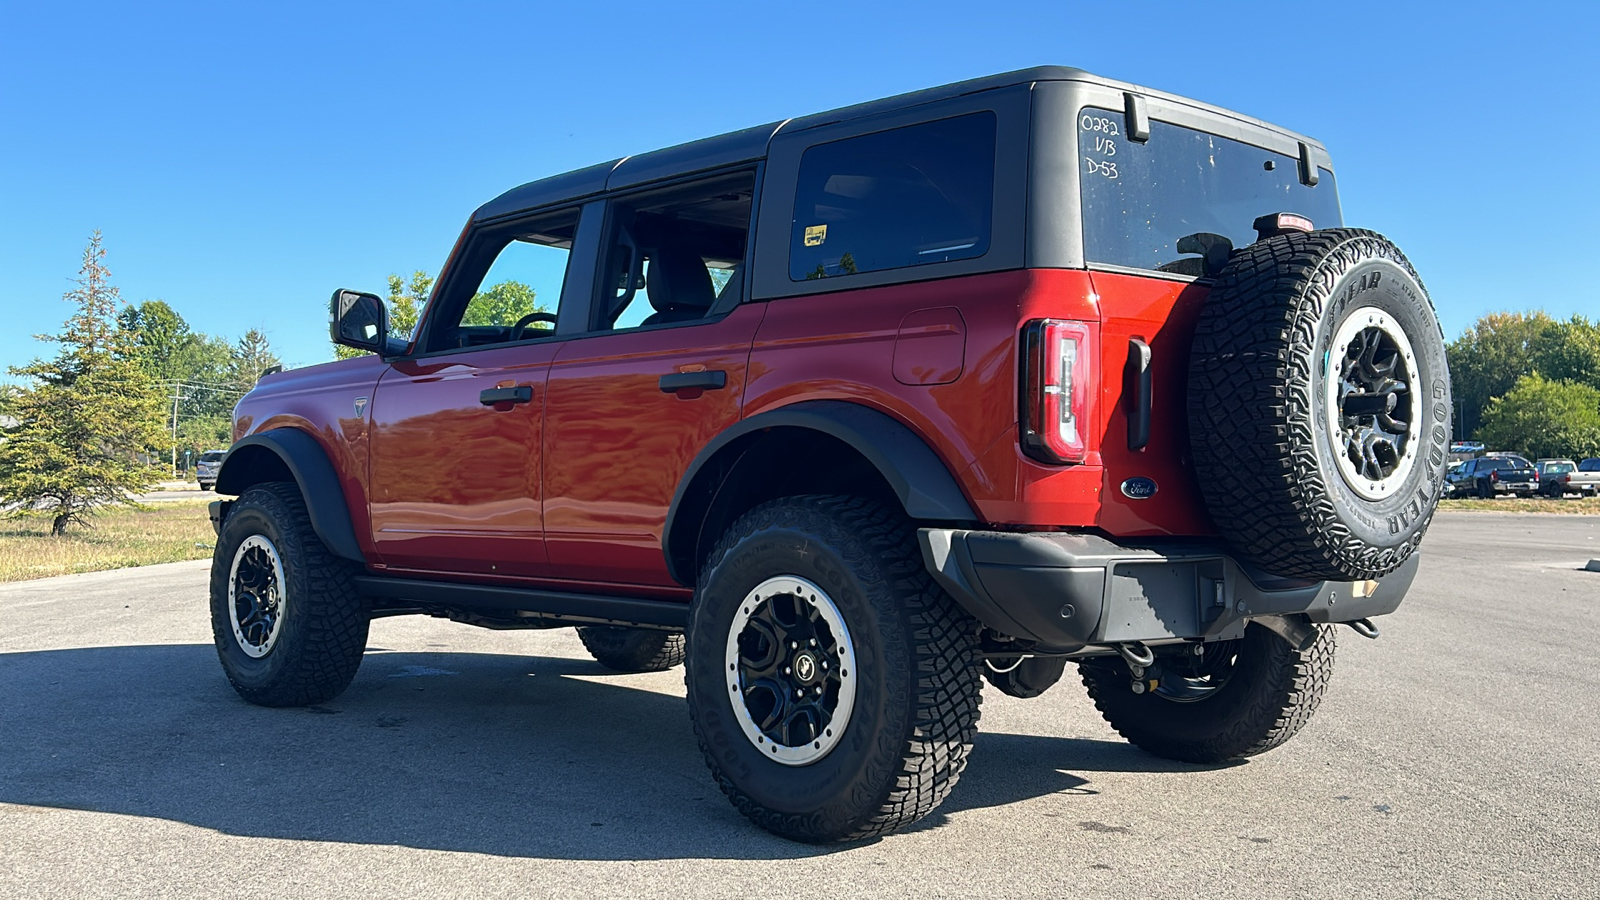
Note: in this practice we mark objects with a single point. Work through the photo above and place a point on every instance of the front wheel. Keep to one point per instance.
(833, 686)
(1239, 699)
(287, 621)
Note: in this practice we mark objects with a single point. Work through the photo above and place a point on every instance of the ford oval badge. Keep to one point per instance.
(1139, 488)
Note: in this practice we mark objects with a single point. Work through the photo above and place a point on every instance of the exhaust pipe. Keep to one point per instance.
(1297, 630)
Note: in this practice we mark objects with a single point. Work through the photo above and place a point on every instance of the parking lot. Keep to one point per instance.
(1455, 757)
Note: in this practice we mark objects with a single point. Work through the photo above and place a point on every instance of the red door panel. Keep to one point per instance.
(455, 483)
(1162, 314)
(616, 445)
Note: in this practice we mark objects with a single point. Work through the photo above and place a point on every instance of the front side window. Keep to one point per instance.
(899, 198)
(516, 297)
(1141, 199)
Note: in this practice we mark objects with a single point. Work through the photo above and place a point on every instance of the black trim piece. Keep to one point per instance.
(924, 486)
(714, 380)
(1138, 390)
(1308, 167)
(319, 483)
(1137, 116)
(596, 608)
(522, 393)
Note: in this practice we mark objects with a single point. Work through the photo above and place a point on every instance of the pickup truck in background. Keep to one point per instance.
(1559, 477)
(1489, 476)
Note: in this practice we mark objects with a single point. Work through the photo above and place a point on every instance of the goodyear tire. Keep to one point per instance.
(288, 625)
(1243, 698)
(1319, 405)
(833, 686)
(632, 649)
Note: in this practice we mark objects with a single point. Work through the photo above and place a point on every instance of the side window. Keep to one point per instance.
(673, 253)
(904, 197)
(515, 298)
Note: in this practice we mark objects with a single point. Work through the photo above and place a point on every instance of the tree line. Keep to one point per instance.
(1528, 382)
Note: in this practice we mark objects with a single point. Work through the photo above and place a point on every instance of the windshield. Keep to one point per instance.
(1140, 198)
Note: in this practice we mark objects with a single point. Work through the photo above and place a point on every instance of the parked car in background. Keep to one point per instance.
(1559, 477)
(1592, 464)
(1489, 476)
(206, 468)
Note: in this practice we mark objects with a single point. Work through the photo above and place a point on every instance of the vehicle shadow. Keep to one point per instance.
(505, 755)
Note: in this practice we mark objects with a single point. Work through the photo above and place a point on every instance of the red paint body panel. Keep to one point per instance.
(1163, 314)
(321, 401)
(456, 484)
(616, 446)
(572, 489)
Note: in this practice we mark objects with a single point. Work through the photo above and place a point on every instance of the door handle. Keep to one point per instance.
(1138, 390)
(520, 394)
(715, 380)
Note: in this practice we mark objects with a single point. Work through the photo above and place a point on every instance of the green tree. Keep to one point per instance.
(252, 357)
(1544, 418)
(504, 304)
(1489, 358)
(405, 305)
(87, 414)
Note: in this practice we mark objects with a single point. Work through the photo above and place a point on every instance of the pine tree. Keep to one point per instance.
(82, 422)
(252, 357)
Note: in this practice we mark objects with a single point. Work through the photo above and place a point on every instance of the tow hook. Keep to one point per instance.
(1365, 628)
(1136, 655)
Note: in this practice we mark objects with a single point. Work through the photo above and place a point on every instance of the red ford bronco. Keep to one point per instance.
(850, 412)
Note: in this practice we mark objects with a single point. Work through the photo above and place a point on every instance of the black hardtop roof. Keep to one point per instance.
(750, 144)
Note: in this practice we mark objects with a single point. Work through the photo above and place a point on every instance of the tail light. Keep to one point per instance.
(1058, 386)
(1494, 475)
(1566, 478)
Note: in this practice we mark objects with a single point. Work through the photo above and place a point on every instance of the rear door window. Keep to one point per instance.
(895, 199)
(1141, 198)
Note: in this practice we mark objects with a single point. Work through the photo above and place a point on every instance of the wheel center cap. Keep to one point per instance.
(805, 668)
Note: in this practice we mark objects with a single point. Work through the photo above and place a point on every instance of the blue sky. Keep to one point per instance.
(245, 160)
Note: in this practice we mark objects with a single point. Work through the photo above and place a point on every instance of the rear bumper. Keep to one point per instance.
(1066, 592)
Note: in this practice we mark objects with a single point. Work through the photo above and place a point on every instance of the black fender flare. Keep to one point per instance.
(926, 489)
(313, 472)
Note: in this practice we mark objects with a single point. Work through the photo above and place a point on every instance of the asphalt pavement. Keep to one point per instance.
(1457, 756)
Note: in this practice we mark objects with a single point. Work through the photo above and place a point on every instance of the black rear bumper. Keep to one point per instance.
(1066, 592)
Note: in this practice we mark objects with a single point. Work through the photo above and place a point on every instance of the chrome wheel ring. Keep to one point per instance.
(791, 670)
(257, 600)
(1373, 410)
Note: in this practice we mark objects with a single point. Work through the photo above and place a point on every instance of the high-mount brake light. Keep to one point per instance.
(1058, 386)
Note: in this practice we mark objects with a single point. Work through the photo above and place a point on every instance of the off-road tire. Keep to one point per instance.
(1270, 696)
(1258, 415)
(324, 631)
(632, 649)
(918, 683)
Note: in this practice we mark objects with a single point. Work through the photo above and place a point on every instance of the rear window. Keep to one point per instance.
(899, 198)
(1558, 468)
(1140, 199)
(1506, 462)
(211, 456)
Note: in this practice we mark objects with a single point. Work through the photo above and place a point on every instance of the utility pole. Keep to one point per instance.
(176, 387)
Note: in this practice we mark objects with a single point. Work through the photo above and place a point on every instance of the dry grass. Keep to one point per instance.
(168, 532)
(1571, 505)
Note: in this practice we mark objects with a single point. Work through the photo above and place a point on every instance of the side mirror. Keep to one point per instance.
(358, 320)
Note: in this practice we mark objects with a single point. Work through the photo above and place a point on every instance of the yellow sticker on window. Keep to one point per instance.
(815, 235)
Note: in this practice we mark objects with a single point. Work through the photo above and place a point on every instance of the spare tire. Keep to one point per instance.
(1319, 405)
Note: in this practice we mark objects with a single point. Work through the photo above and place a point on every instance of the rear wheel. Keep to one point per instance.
(632, 649)
(287, 622)
(833, 686)
(1241, 698)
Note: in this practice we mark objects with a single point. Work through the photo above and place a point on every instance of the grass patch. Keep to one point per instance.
(168, 532)
(1571, 505)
